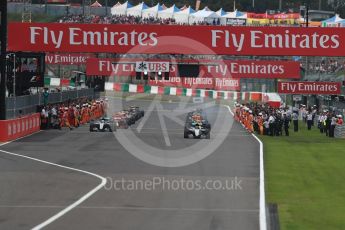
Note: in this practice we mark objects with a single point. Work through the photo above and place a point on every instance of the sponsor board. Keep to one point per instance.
(66, 59)
(224, 84)
(236, 21)
(123, 38)
(297, 97)
(306, 87)
(146, 66)
(220, 69)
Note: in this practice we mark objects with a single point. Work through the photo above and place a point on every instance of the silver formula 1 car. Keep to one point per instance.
(102, 125)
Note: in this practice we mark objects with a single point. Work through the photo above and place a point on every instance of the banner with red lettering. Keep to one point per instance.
(208, 68)
(223, 84)
(173, 39)
(309, 87)
(67, 59)
(274, 16)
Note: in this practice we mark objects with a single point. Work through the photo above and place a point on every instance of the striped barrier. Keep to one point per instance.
(19, 127)
(58, 82)
(174, 91)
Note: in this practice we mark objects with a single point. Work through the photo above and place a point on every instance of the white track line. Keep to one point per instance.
(262, 199)
(73, 205)
(136, 208)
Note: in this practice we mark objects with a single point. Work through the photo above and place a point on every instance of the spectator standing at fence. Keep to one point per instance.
(44, 118)
(295, 121)
(321, 122)
(328, 124)
(279, 124)
(332, 127)
(266, 125)
(54, 118)
(303, 113)
(286, 121)
(314, 111)
(340, 120)
(271, 121)
(309, 120)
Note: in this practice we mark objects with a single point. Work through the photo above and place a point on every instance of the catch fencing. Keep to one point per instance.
(22, 105)
(339, 131)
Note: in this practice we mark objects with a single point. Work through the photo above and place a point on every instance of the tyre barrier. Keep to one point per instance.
(19, 127)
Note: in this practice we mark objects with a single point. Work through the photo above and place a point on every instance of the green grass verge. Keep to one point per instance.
(304, 175)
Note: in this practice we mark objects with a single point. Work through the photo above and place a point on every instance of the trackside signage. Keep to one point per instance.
(306, 87)
(110, 38)
(199, 83)
(66, 58)
(214, 68)
(144, 66)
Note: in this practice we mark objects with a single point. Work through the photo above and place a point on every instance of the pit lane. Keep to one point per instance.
(31, 192)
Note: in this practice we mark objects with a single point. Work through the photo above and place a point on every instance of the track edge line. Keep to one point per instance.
(262, 199)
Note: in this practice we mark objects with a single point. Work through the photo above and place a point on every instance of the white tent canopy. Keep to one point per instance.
(136, 10)
(183, 16)
(169, 12)
(221, 12)
(120, 9)
(235, 14)
(203, 15)
(118, 4)
(152, 11)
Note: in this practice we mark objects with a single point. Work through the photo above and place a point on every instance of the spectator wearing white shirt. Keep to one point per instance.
(295, 121)
(309, 120)
(271, 121)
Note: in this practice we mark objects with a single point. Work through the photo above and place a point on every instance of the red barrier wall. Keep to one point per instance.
(19, 127)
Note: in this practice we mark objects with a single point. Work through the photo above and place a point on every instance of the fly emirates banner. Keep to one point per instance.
(110, 38)
(211, 68)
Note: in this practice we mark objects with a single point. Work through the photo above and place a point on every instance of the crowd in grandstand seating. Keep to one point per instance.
(327, 66)
(266, 120)
(71, 114)
(115, 19)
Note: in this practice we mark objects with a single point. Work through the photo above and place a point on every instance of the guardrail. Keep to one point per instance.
(23, 105)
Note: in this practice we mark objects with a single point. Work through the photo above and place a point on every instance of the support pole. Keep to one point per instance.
(3, 40)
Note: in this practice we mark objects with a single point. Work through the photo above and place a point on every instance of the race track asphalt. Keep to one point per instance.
(32, 191)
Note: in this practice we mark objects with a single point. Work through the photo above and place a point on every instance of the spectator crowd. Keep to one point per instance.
(327, 66)
(266, 120)
(123, 19)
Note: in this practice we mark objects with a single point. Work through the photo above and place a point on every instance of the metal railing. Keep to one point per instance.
(22, 105)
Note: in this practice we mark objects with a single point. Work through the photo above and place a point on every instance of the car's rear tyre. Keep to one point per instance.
(185, 135)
